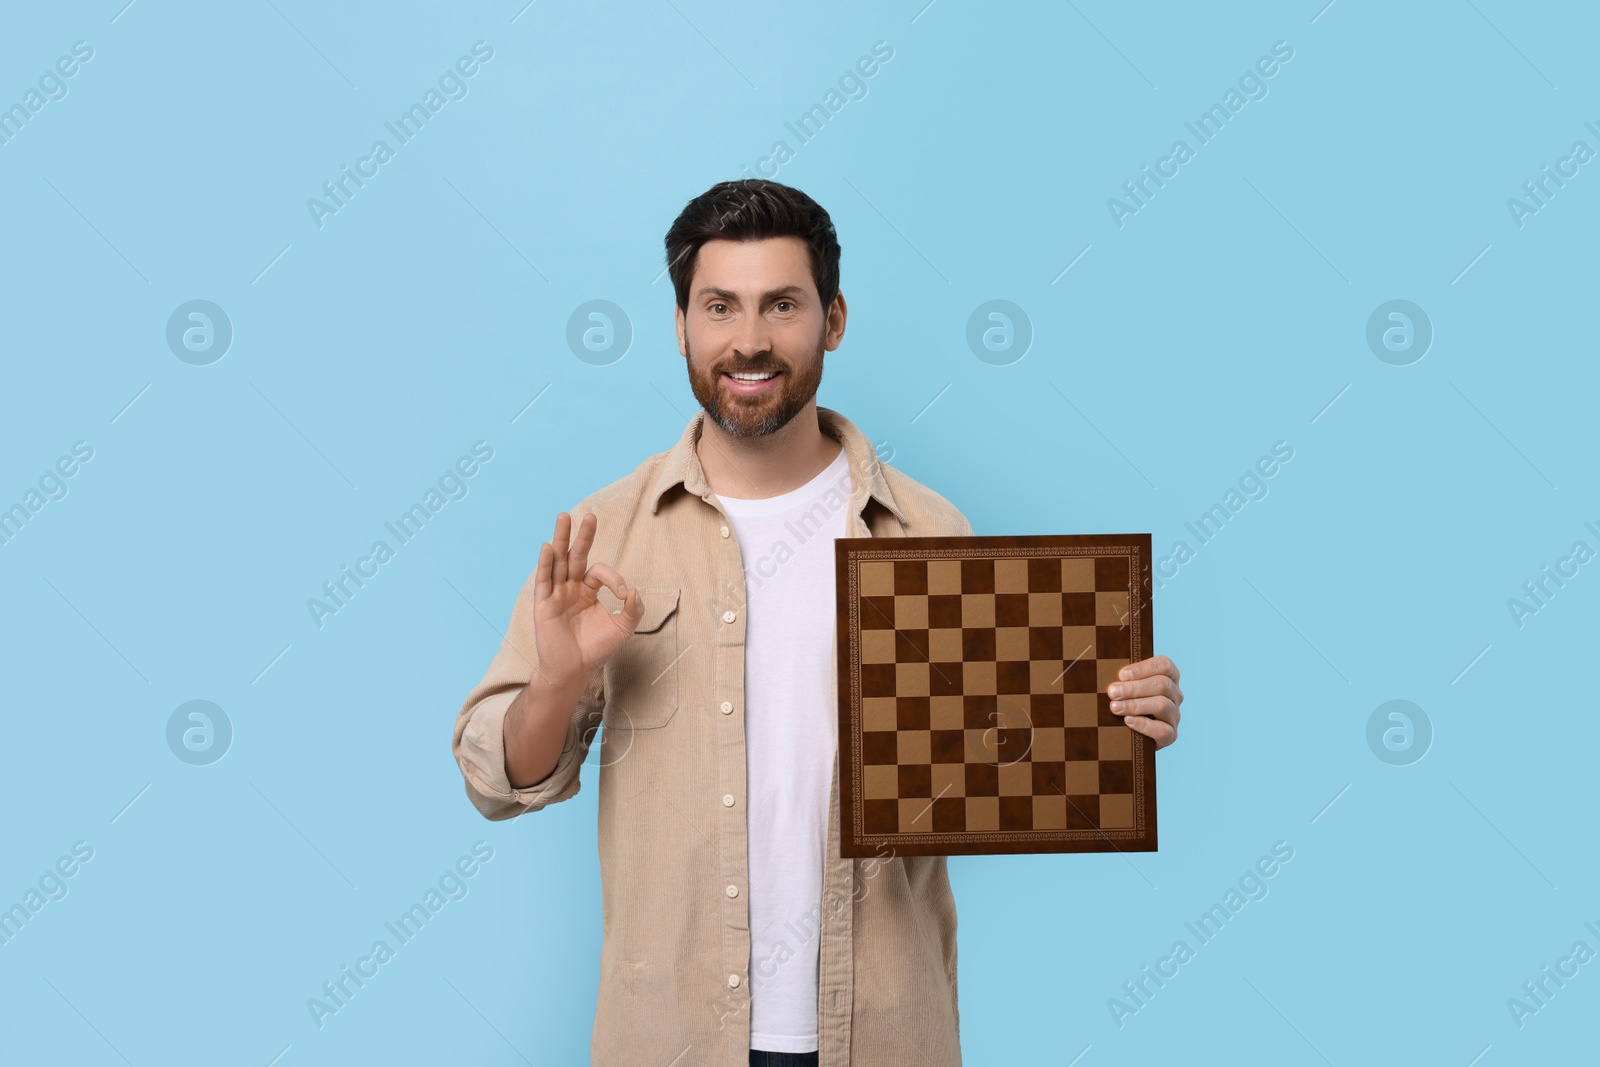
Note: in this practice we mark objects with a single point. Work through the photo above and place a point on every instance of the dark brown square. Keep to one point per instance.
(1049, 709)
(983, 780)
(978, 712)
(910, 577)
(1083, 742)
(949, 815)
(977, 576)
(1077, 609)
(1011, 609)
(911, 713)
(1012, 745)
(1081, 676)
(877, 613)
(881, 816)
(1113, 642)
(944, 679)
(1044, 642)
(1013, 676)
(877, 679)
(948, 746)
(880, 747)
(1104, 716)
(911, 646)
(916, 780)
(1116, 776)
(1110, 574)
(1083, 812)
(1049, 779)
(944, 611)
(1016, 813)
(1044, 575)
(977, 644)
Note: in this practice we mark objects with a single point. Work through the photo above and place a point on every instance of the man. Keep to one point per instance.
(689, 608)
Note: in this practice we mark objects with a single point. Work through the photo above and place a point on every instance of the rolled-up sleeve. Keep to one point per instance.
(479, 741)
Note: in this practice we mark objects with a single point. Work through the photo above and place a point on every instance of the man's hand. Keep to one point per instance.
(1147, 694)
(574, 633)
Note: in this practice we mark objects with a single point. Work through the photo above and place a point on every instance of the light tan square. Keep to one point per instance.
(1116, 811)
(977, 609)
(876, 578)
(911, 612)
(1044, 609)
(949, 780)
(1050, 812)
(946, 713)
(1049, 745)
(1010, 576)
(1077, 642)
(1106, 671)
(1116, 742)
(944, 576)
(1016, 779)
(944, 646)
(911, 679)
(1083, 778)
(877, 646)
(880, 782)
(916, 816)
(878, 713)
(915, 746)
(1011, 643)
(979, 678)
(1045, 676)
(1081, 709)
(1111, 609)
(983, 813)
(1077, 574)
(980, 745)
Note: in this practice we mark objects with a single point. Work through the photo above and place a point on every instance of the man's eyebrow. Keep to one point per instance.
(728, 294)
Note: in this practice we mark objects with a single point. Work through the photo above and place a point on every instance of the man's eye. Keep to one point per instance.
(718, 309)
(782, 303)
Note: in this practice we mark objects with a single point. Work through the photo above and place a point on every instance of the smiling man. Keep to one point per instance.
(689, 608)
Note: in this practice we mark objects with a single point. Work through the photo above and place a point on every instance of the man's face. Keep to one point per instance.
(755, 333)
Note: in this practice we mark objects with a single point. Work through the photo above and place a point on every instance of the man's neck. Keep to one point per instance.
(754, 468)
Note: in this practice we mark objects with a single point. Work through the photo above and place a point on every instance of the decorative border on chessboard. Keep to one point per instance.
(850, 553)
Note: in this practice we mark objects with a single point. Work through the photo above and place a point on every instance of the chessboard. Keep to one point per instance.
(973, 714)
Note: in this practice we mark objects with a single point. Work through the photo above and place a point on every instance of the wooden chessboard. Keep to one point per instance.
(973, 715)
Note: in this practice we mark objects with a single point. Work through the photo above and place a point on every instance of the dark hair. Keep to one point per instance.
(752, 209)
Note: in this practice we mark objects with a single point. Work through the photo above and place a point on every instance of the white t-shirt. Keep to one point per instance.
(791, 727)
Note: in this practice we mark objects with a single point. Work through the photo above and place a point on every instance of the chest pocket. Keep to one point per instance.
(642, 678)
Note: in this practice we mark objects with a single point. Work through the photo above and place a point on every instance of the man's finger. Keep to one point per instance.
(1159, 685)
(559, 542)
(543, 572)
(1161, 733)
(1147, 707)
(582, 541)
(1145, 668)
(603, 574)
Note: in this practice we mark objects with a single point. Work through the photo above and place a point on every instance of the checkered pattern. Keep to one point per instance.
(982, 688)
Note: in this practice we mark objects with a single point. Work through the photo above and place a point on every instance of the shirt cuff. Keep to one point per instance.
(483, 762)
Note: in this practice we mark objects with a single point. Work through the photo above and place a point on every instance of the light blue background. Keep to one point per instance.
(1228, 314)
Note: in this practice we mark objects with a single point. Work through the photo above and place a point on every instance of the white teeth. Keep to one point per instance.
(754, 377)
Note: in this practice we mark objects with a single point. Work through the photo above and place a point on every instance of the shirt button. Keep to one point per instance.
(727, 707)
(733, 981)
(727, 800)
(728, 616)
(724, 531)
(733, 891)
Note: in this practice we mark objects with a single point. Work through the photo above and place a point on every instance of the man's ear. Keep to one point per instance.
(834, 332)
(683, 348)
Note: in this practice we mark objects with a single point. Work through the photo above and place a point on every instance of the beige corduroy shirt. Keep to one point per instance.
(672, 829)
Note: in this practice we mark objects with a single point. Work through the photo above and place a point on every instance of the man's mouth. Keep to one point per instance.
(750, 383)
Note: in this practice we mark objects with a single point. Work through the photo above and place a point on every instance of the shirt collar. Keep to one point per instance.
(682, 465)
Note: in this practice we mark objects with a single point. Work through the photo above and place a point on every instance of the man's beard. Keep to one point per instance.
(755, 416)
